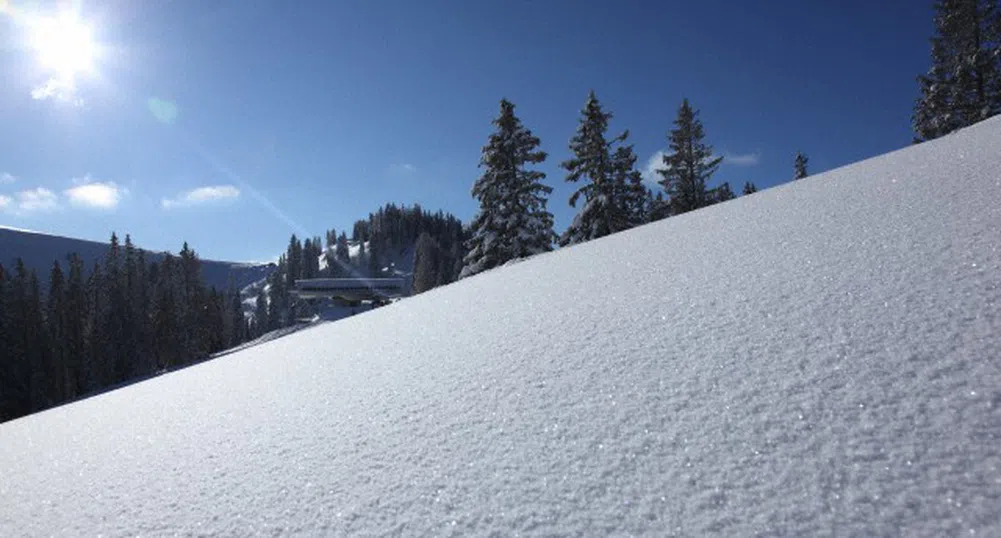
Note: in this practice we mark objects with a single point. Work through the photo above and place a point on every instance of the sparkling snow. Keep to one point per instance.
(820, 358)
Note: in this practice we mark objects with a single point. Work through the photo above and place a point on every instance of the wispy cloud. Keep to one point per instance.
(741, 159)
(6, 202)
(202, 195)
(402, 168)
(97, 195)
(6, 178)
(57, 89)
(33, 200)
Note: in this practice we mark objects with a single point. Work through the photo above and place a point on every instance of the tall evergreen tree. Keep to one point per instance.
(632, 195)
(16, 368)
(750, 188)
(605, 210)
(167, 323)
(427, 258)
(690, 165)
(342, 255)
(512, 221)
(293, 257)
(261, 320)
(38, 346)
(58, 327)
(799, 166)
(963, 85)
(723, 193)
(76, 319)
(659, 208)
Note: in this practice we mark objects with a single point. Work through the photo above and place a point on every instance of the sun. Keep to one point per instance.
(64, 44)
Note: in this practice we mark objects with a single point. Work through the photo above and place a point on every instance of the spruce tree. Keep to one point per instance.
(659, 208)
(117, 319)
(167, 326)
(605, 210)
(512, 221)
(342, 255)
(750, 188)
(690, 165)
(963, 84)
(799, 166)
(76, 318)
(16, 368)
(631, 194)
(723, 193)
(38, 345)
(427, 259)
(261, 320)
(237, 319)
(58, 328)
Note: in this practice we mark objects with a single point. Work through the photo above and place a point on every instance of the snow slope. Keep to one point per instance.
(820, 358)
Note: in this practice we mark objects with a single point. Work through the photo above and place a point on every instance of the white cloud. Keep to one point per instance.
(403, 168)
(7, 178)
(40, 199)
(96, 195)
(5, 202)
(741, 159)
(202, 195)
(58, 90)
(650, 175)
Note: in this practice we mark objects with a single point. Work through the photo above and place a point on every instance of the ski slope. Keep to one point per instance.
(820, 358)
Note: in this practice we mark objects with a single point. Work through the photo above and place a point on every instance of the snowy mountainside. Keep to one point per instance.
(40, 250)
(819, 358)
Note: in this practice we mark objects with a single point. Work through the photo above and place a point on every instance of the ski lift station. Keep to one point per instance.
(351, 291)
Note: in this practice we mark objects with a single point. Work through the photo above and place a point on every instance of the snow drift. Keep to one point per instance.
(818, 358)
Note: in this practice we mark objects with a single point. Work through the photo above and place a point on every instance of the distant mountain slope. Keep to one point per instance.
(39, 250)
(817, 359)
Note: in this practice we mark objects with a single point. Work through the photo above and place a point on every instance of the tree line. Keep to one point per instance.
(513, 220)
(99, 327)
(392, 239)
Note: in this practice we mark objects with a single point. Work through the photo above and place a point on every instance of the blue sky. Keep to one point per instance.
(232, 124)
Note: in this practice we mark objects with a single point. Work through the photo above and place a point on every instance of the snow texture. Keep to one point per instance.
(820, 358)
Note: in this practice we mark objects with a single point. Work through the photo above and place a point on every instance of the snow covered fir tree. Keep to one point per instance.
(690, 164)
(614, 198)
(963, 84)
(512, 221)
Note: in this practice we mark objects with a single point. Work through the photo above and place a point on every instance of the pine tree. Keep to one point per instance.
(512, 221)
(799, 166)
(6, 350)
(605, 209)
(237, 319)
(723, 193)
(16, 368)
(632, 195)
(293, 257)
(963, 85)
(659, 208)
(167, 325)
(427, 258)
(194, 333)
(58, 329)
(38, 346)
(117, 319)
(690, 165)
(342, 255)
(750, 188)
(76, 319)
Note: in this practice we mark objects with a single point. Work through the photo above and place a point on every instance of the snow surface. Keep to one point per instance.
(820, 358)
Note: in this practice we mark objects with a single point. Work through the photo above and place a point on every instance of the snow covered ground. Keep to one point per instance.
(820, 358)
